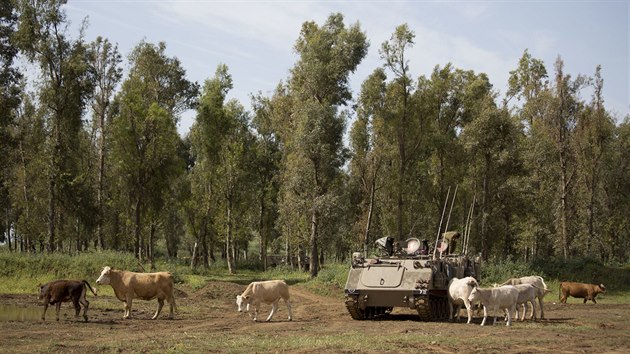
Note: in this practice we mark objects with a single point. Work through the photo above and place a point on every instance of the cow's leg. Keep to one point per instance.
(450, 309)
(533, 315)
(542, 311)
(509, 315)
(128, 303)
(286, 301)
(57, 308)
(468, 310)
(159, 308)
(45, 308)
(77, 307)
(171, 303)
(274, 306)
(525, 308)
(255, 312)
(459, 307)
(593, 299)
(85, 304)
(485, 315)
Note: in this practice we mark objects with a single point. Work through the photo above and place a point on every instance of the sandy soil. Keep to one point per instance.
(207, 321)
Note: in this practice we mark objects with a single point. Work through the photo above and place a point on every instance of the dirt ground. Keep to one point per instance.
(207, 321)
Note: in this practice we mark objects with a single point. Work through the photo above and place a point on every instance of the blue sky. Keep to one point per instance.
(255, 38)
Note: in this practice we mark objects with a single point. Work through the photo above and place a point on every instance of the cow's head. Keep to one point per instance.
(602, 288)
(243, 303)
(42, 290)
(473, 295)
(104, 278)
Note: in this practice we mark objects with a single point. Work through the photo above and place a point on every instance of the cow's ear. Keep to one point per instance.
(246, 297)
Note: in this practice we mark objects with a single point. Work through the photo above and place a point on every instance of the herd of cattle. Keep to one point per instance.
(508, 297)
(513, 294)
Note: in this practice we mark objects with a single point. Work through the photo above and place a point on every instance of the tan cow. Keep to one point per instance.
(580, 290)
(145, 286)
(58, 291)
(268, 292)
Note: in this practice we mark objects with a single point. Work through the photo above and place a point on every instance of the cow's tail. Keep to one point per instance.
(559, 291)
(88, 285)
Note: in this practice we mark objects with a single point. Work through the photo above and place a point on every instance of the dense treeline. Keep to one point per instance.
(91, 158)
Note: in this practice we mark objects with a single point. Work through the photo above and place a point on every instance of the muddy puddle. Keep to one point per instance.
(20, 313)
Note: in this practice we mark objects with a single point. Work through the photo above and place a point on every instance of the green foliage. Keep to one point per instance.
(550, 170)
(502, 270)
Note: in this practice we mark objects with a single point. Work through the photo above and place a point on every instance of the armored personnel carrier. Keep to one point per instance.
(406, 274)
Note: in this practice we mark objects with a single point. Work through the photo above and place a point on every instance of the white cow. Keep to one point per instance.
(504, 298)
(458, 292)
(541, 290)
(526, 293)
(268, 292)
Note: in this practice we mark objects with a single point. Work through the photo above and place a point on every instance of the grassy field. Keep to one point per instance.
(21, 273)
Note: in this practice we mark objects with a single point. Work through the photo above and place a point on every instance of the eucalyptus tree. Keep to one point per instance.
(105, 63)
(28, 183)
(206, 137)
(368, 157)
(528, 83)
(319, 85)
(64, 88)
(492, 143)
(267, 170)
(560, 120)
(593, 139)
(402, 123)
(144, 134)
(9, 102)
(222, 174)
(617, 194)
(235, 176)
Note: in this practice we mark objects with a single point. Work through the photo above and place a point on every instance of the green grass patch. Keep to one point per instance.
(21, 273)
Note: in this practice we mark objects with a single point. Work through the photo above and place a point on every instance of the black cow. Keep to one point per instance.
(58, 291)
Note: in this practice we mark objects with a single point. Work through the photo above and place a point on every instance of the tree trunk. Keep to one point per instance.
(151, 245)
(228, 238)
(137, 236)
(193, 257)
(314, 261)
(563, 207)
(101, 173)
(8, 227)
(366, 236)
(484, 210)
(262, 233)
(51, 215)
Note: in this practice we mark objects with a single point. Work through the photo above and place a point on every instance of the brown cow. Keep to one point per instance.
(58, 291)
(146, 286)
(580, 290)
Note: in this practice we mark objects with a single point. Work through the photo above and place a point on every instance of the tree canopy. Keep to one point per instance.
(90, 156)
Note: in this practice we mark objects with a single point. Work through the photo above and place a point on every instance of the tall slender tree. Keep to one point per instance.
(9, 102)
(319, 85)
(105, 64)
(144, 137)
(64, 91)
